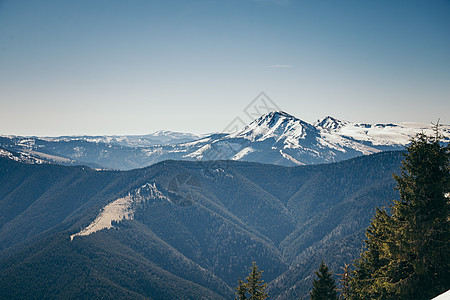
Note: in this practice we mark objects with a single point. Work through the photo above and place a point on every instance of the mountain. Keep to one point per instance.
(276, 138)
(280, 138)
(22, 157)
(378, 135)
(161, 137)
(182, 229)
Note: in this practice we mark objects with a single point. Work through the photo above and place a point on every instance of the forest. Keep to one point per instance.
(407, 244)
(292, 222)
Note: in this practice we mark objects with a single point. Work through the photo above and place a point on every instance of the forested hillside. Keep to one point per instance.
(209, 222)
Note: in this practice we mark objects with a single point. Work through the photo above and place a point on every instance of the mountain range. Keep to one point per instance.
(275, 138)
(183, 229)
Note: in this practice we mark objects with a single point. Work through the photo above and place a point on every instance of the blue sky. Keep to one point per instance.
(133, 67)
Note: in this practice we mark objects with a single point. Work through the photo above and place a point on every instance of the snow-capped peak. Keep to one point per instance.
(330, 123)
(274, 115)
(275, 124)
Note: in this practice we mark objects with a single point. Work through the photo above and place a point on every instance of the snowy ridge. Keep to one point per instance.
(377, 134)
(22, 157)
(276, 124)
(278, 137)
(275, 138)
(121, 209)
(161, 137)
(330, 123)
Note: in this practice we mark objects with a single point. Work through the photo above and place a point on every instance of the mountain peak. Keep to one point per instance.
(271, 118)
(330, 123)
(275, 124)
(278, 113)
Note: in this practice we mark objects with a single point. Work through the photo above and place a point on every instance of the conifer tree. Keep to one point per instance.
(255, 286)
(345, 282)
(241, 290)
(368, 280)
(324, 287)
(407, 255)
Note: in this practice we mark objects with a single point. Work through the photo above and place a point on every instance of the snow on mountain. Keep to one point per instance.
(161, 137)
(166, 137)
(330, 123)
(242, 153)
(276, 138)
(378, 134)
(275, 124)
(280, 138)
(22, 157)
(199, 152)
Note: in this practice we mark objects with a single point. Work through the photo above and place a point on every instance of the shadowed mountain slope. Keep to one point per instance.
(182, 228)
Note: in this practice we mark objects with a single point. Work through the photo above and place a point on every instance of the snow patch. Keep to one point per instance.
(444, 296)
(242, 153)
(23, 157)
(198, 154)
(205, 140)
(339, 143)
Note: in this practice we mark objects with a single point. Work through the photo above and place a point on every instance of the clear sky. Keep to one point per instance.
(132, 67)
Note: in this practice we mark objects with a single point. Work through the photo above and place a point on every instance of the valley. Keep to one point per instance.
(184, 227)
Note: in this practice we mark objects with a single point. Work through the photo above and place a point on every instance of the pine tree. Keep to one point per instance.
(368, 280)
(423, 214)
(241, 290)
(254, 286)
(345, 282)
(408, 250)
(324, 287)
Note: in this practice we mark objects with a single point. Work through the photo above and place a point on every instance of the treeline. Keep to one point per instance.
(407, 253)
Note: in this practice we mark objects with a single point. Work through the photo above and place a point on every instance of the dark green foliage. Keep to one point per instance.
(93, 268)
(367, 281)
(408, 250)
(34, 198)
(324, 287)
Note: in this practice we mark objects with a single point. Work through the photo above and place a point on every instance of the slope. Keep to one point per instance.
(186, 225)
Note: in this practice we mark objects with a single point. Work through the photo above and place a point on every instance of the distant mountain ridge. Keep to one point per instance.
(276, 138)
(160, 137)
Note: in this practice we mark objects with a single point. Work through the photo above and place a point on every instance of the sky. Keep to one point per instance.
(133, 67)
